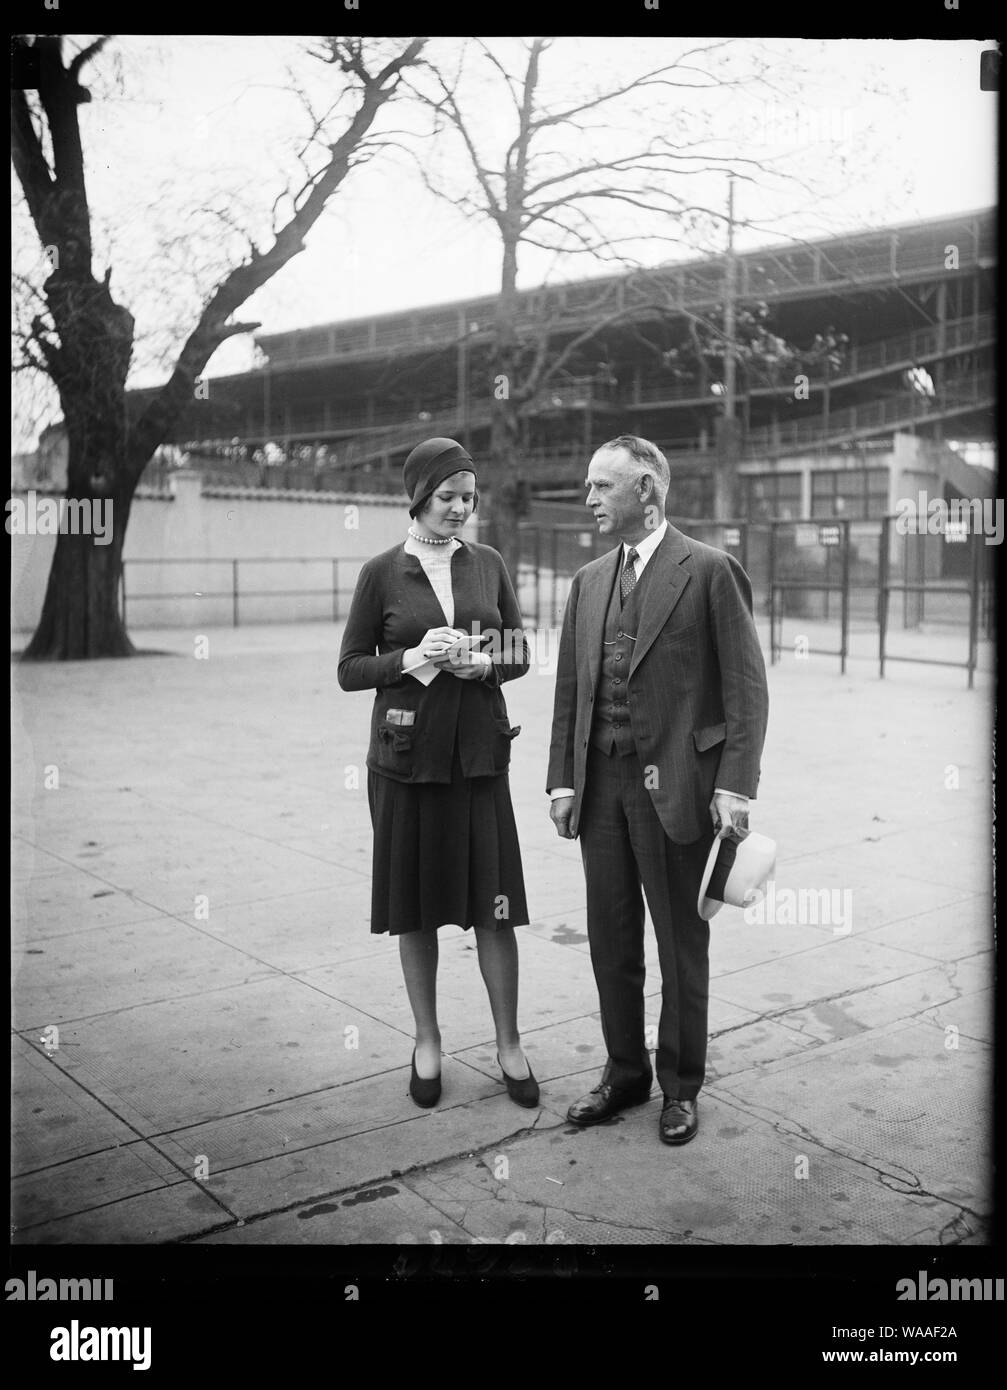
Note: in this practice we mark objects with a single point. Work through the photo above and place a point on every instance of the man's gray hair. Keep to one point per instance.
(642, 451)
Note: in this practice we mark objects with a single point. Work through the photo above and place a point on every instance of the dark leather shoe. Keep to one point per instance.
(423, 1091)
(679, 1121)
(523, 1092)
(604, 1102)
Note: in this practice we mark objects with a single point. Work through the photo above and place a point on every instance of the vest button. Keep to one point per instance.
(618, 656)
(617, 680)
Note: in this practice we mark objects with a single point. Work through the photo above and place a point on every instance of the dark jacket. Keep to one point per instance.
(393, 606)
(697, 688)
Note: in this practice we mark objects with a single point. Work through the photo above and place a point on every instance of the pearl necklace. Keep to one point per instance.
(428, 541)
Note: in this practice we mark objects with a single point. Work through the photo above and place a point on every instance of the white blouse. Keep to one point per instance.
(436, 562)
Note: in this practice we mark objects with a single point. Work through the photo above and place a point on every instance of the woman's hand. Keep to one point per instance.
(469, 667)
(432, 645)
(466, 662)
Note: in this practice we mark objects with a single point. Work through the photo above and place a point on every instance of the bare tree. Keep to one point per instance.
(83, 340)
(577, 177)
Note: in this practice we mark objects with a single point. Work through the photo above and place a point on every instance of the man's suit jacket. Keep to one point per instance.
(697, 681)
(415, 728)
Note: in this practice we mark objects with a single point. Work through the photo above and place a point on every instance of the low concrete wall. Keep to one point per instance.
(201, 532)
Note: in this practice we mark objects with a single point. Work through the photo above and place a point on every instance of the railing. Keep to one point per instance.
(798, 569)
(893, 412)
(843, 557)
(958, 393)
(234, 592)
(560, 465)
(780, 589)
(386, 431)
(979, 603)
(383, 430)
(869, 257)
(861, 361)
(890, 354)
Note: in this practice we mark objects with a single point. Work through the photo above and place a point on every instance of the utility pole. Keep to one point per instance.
(462, 383)
(730, 280)
(728, 443)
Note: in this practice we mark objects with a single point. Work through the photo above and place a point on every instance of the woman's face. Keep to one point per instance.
(449, 507)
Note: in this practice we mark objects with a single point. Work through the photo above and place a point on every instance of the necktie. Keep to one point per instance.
(628, 583)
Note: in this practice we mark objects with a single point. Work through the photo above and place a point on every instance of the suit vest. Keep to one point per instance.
(612, 726)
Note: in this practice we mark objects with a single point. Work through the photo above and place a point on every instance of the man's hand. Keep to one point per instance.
(729, 812)
(560, 812)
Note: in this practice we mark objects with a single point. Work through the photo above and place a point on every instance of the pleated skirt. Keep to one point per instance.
(445, 853)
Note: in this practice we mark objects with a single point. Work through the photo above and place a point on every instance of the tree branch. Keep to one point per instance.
(86, 54)
(213, 327)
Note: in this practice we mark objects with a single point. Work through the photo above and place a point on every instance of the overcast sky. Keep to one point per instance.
(176, 118)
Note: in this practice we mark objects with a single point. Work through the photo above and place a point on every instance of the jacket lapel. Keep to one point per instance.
(666, 581)
(419, 593)
(464, 586)
(593, 607)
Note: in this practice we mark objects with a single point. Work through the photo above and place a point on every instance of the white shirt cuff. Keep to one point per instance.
(557, 792)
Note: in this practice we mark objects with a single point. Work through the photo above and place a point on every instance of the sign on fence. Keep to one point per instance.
(829, 535)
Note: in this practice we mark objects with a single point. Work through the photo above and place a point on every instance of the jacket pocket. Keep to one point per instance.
(709, 736)
(684, 627)
(394, 748)
(503, 736)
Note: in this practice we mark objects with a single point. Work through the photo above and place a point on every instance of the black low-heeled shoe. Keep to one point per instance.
(424, 1091)
(525, 1092)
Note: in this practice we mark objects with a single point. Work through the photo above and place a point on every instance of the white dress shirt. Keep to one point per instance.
(644, 550)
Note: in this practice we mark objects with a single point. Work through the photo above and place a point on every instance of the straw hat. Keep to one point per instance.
(736, 871)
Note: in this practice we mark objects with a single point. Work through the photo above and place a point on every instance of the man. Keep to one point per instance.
(658, 726)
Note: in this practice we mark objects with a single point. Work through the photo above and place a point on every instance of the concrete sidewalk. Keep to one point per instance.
(209, 1046)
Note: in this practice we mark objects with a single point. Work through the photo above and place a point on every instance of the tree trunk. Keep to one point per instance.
(509, 493)
(508, 489)
(81, 616)
(725, 499)
(80, 612)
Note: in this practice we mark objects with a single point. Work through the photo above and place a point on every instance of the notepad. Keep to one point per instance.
(425, 671)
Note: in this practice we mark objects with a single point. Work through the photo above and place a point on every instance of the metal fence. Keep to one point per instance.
(836, 575)
(233, 596)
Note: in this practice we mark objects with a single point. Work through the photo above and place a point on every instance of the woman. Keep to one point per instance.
(445, 841)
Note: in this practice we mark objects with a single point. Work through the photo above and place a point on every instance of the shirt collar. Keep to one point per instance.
(646, 548)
